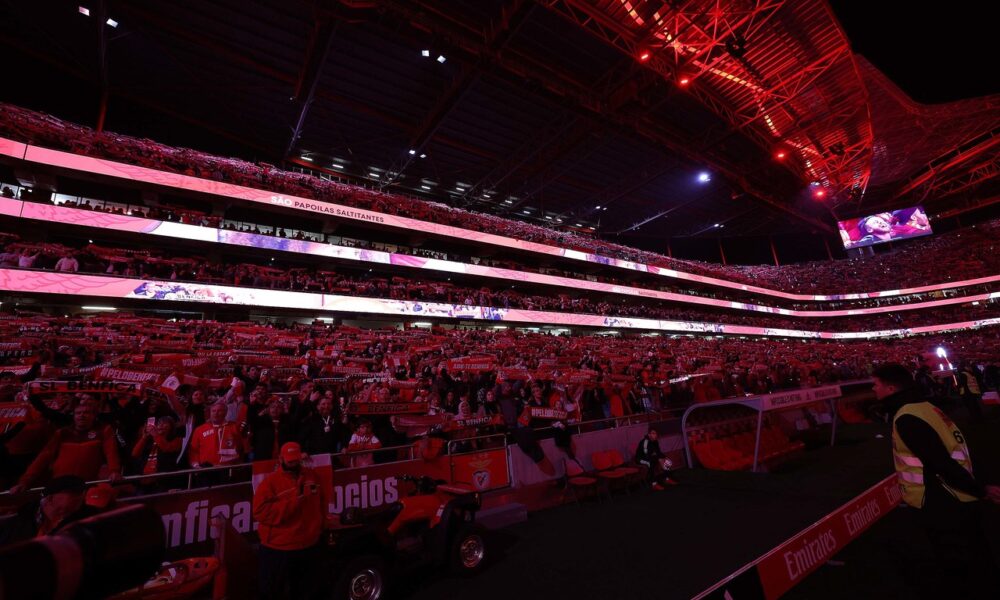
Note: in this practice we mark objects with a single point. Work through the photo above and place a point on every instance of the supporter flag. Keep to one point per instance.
(170, 385)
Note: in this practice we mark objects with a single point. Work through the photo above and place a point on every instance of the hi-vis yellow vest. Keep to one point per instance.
(910, 470)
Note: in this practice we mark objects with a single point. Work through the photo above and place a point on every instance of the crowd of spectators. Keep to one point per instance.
(957, 256)
(193, 217)
(144, 263)
(118, 394)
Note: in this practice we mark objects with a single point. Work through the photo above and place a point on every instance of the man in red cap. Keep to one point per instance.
(292, 507)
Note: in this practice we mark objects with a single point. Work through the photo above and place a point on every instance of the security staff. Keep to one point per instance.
(292, 506)
(934, 468)
(969, 390)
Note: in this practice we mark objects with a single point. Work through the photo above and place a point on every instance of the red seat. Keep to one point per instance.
(578, 479)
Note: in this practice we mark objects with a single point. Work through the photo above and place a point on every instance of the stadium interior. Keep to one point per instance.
(493, 251)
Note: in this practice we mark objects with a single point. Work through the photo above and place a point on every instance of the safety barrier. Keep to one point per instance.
(773, 574)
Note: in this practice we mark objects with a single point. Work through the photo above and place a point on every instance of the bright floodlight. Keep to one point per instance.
(941, 352)
(441, 58)
(412, 151)
(112, 22)
(425, 53)
(704, 177)
(84, 11)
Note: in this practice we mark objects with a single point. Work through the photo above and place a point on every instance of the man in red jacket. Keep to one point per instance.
(80, 449)
(217, 442)
(292, 507)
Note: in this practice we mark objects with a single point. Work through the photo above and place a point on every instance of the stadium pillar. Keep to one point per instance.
(826, 243)
(670, 251)
(102, 111)
(722, 252)
(774, 251)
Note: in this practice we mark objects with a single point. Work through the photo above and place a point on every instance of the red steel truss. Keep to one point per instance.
(779, 71)
(941, 153)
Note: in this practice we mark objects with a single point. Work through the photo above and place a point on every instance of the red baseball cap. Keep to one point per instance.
(291, 451)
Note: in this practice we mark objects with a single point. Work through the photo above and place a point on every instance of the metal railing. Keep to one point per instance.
(231, 473)
(623, 421)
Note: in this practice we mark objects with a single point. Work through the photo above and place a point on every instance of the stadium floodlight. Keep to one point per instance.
(412, 151)
(425, 187)
(423, 156)
(84, 11)
(941, 352)
(598, 207)
(527, 212)
(441, 58)
(112, 23)
(307, 158)
(425, 53)
(420, 324)
(716, 225)
(704, 177)
(375, 175)
(96, 308)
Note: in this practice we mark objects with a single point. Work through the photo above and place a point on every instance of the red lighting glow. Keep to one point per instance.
(644, 56)
(780, 155)
(684, 81)
(820, 193)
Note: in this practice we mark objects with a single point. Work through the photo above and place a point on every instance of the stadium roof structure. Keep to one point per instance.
(576, 113)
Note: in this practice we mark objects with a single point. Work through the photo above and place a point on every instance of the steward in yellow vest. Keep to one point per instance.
(919, 420)
(969, 390)
(934, 469)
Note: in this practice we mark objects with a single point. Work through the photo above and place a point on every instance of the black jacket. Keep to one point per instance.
(648, 451)
(317, 437)
(263, 430)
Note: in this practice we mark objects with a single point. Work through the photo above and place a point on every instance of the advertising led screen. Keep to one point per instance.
(879, 228)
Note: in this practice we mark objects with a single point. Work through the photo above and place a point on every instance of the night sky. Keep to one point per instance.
(934, 52)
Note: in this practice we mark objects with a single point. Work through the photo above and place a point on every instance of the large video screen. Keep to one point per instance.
(883, 227)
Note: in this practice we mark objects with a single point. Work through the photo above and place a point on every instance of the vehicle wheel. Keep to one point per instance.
(363, 578)
(468, 550)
